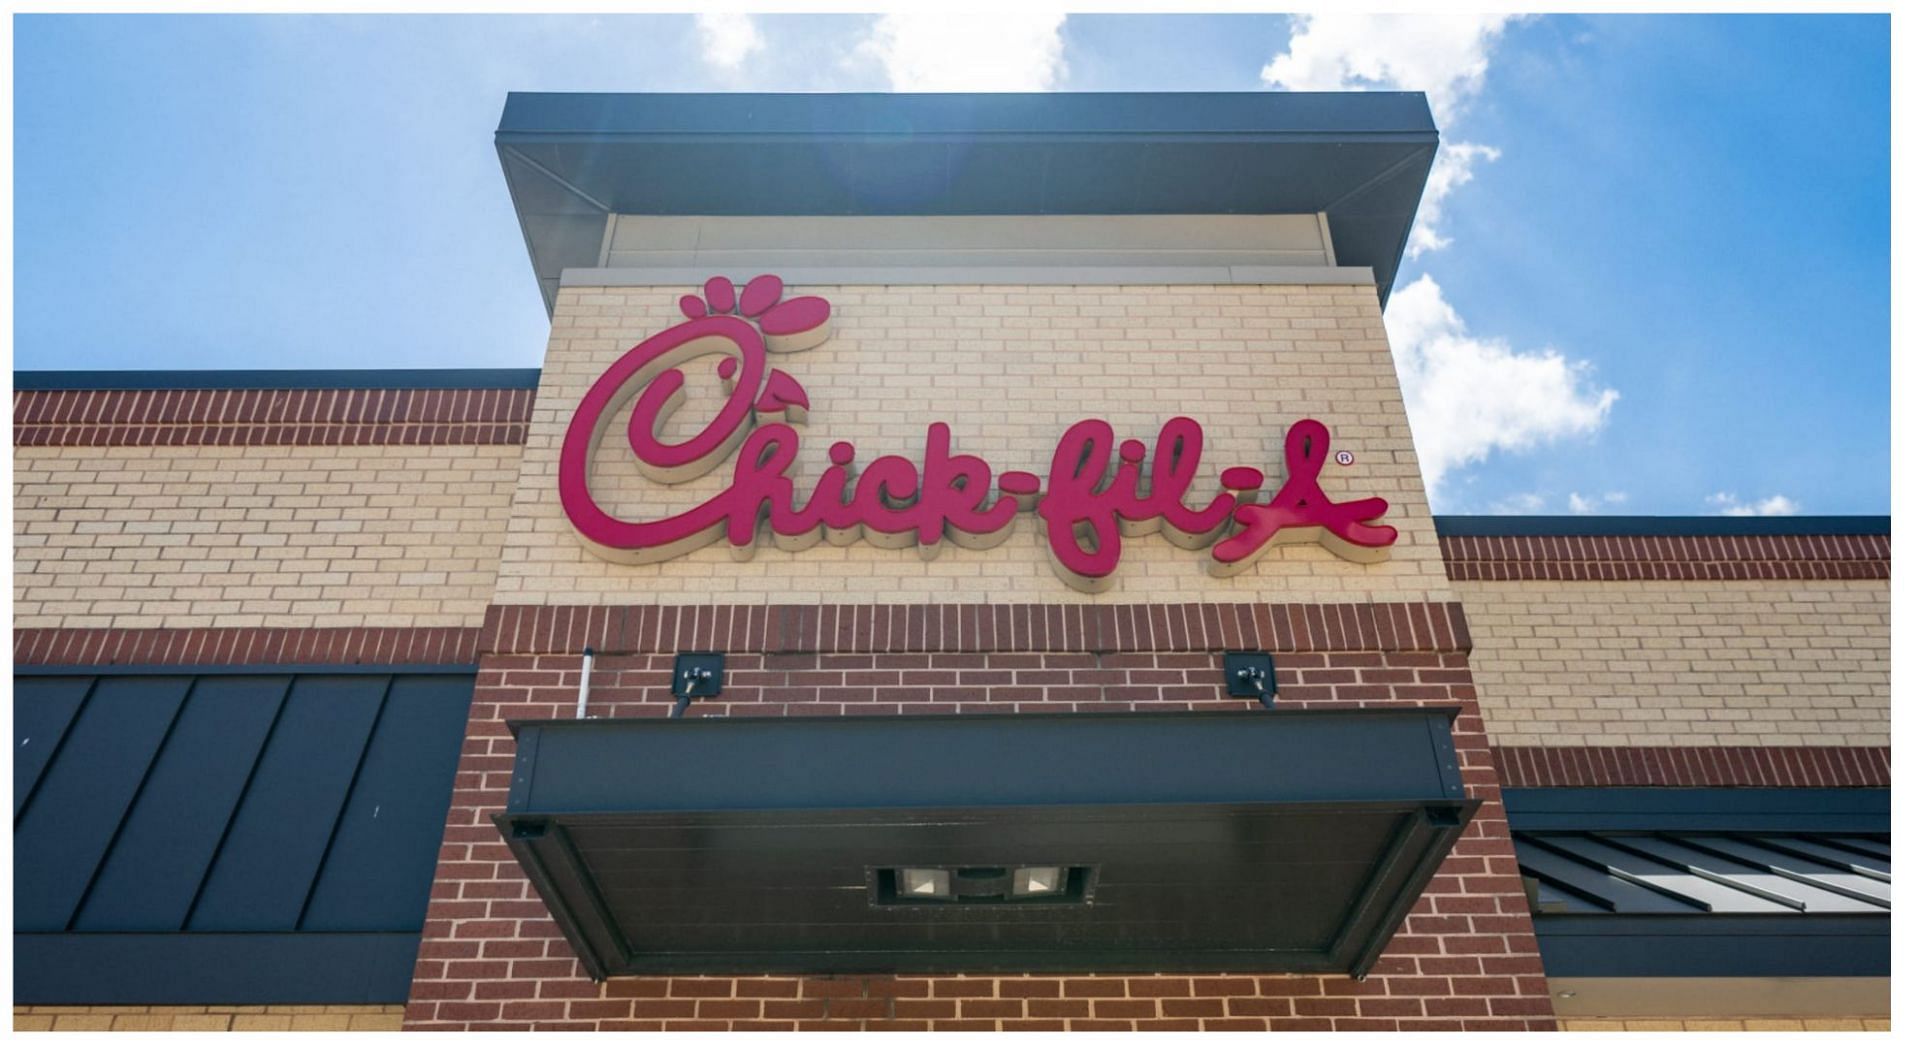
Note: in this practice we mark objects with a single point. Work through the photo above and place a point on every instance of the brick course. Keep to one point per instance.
(980, 627)
(97, 647)
(1621, 558)
(1704, 766)
(384, 1018)
(539, 686)
(1871, 1024)
(210, 1018)
(258, 417)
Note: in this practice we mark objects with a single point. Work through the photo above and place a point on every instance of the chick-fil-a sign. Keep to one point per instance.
(1090, 502)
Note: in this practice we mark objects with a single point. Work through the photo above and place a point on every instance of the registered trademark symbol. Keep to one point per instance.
(1344, 457)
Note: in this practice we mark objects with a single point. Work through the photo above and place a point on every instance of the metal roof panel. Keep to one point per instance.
(1637, 874)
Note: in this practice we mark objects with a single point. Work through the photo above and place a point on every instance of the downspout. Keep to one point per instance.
(586, 671)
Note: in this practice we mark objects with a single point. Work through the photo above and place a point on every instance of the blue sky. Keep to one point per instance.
(1657, 280)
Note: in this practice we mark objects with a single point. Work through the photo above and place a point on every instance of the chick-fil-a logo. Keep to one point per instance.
(1089, 504)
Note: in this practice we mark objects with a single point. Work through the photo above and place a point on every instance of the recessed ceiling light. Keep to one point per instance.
(925, 883)
(982, 885)
(1039, 879)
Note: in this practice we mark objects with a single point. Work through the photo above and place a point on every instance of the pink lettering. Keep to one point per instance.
(1096, 495)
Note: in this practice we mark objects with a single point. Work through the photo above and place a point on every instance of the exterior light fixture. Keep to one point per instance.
(1034, 881)
(1250, 675)
(925, 884)
(696, 674)
(966, 885)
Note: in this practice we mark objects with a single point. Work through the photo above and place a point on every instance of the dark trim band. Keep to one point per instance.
(1700, 810)
(254, 669)
(173, 969)
(1720, 945)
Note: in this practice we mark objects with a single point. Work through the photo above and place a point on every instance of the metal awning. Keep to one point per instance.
(1271, 841)
(1707, 884)
(228, 834)
(1646, 873)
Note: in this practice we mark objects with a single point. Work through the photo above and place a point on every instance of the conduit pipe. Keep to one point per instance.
(586, 671)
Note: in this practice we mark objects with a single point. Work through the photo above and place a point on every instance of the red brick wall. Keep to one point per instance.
(491, 957)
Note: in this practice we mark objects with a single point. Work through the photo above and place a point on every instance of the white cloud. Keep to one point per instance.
(728, 39)
(1729, 505)
(1452, 168)
(1445, 56)
(945, 51)
(1578, 503)
(1468, 396)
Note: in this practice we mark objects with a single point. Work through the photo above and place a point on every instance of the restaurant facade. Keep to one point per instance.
(962, 563)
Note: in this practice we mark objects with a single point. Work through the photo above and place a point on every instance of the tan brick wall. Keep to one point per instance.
(1726, 1024)
(1009, 369)
(1682, 663)
(274, 1018)
(296, 536)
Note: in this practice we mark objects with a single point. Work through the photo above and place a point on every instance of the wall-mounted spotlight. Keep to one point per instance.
(696, 674)
(1250, 675)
